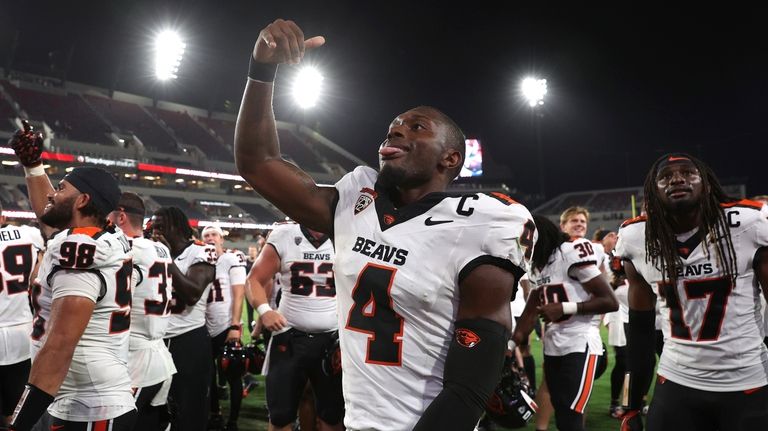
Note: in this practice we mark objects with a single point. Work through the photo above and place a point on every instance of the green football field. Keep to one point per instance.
(253, 416)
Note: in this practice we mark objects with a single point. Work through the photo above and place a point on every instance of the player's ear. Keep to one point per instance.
(451, 160)
(82, 200)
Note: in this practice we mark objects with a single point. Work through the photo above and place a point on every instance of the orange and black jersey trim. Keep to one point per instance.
(501, 197)
(743, 203)
(634, 220)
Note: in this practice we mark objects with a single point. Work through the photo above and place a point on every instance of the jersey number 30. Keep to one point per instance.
(373, 314)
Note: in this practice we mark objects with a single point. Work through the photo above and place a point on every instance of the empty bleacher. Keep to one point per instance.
(68, 115)
(258, 212)
(191, 133)
(224, 129)
(6, 113)
(613, 200)
(131, 118)
(334, 157)
(182, 204)
(293, 147)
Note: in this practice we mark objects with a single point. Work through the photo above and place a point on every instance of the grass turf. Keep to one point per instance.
(253, 416)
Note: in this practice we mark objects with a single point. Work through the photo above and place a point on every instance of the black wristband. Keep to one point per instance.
(236, 327)
(32, 404)
(263, 72)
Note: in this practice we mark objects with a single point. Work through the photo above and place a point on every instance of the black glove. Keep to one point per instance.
(631, 421)
(28, 145)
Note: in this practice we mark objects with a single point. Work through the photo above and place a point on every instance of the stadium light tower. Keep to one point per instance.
(169, 51)
(307, 87)
(534, 90)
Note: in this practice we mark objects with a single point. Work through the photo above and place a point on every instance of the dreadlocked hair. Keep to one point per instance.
(550, 238)
(660, 238)
(177, 220)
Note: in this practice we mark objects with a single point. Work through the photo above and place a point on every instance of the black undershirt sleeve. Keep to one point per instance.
(472, 371)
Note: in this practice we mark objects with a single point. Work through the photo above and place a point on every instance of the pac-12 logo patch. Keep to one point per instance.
(297, 240)
(467, 338)
(362, 203)
(365, 199)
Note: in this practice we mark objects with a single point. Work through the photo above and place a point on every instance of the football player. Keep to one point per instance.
(702, 256)
(223, 319)
(80, 375)
(571, 295)
(574, 222)
(19, 248)
(149, 361)
(303, 327)
(423, 278)
(193, 274)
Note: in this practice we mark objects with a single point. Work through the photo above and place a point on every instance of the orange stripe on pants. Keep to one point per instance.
(586, 390)
(100, 426)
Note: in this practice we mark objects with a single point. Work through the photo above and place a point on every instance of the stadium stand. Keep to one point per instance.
(189, 132)
(6, 113)
(293, 147)
(258, 212)
(132, 118)
(85, 116)
(67, 114)
(180, 203)
(225, 130)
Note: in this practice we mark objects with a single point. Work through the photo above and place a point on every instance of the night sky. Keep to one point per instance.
(627, 82)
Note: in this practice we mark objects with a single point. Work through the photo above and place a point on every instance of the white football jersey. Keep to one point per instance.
(186, 318)
(149, 360)
(96, 264)
(308, 291)
(577, 332)
(19, 246)
(397, 276)
(230, 271)
(712, 326)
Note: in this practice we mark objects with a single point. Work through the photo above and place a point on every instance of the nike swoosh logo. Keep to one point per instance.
(430, 222)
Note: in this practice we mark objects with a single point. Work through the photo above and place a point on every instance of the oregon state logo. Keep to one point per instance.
(467, 338)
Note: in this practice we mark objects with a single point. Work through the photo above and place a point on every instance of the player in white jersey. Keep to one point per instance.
(193, 272)
(80, 375)
(574, 222)
(149, 361)
(19, 248)
(702, 256)
(304, 326)
(423, 279)
(223, 320)
(571, 295)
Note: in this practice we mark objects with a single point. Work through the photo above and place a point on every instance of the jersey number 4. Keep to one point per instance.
(718, 290)
(373, 314)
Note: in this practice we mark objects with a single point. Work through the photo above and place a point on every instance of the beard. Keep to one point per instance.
(60, 215)
(393, 177)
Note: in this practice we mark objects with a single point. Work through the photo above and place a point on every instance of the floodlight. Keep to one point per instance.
(534, 90)
(169, 51)
(307, 87)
